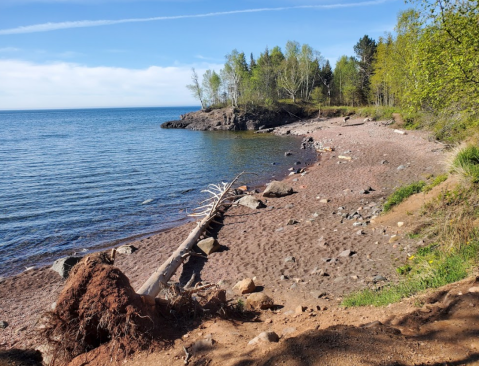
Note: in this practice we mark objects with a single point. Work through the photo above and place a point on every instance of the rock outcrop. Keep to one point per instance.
(232, 119)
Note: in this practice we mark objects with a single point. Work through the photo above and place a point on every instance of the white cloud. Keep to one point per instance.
(27, 85)
(45, 27)
(9, 49)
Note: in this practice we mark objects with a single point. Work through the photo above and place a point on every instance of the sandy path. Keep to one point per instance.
(256, 243)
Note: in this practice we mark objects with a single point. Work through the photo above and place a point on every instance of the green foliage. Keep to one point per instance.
(429, 268)
(438, 180)
(402, 193)
(467, 162)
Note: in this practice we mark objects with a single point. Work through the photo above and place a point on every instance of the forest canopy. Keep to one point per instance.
(430, 63)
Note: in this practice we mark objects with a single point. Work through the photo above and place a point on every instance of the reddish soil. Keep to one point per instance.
(256, 244)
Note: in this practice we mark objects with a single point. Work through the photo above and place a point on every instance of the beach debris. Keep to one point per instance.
(3, 324)
(251, 202)
(63, 266)
(289, 259)
(401, 132)
(221, 196)
(264, 337)
(243, 188)
(149, 200)
(259, 301)
(245, 286)
(277, 189)
(208, 245)
(126, 249)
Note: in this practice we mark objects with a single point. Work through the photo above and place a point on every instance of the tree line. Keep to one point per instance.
(430, 62)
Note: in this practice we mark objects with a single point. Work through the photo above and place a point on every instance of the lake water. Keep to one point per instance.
(73, 180)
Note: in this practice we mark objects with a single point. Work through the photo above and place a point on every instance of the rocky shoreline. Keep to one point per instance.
(232, 119)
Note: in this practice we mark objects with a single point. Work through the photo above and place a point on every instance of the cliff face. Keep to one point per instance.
(231, 119)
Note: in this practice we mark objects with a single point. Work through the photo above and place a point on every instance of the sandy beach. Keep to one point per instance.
(292, 262)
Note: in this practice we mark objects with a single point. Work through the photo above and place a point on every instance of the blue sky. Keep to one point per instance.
(126, 53)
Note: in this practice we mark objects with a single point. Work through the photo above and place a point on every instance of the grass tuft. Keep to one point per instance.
(466, 162)
(402, 193)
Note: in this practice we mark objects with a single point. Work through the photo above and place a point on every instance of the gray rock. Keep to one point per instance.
(379, 278)
(266, 337)
(126, 249)
(346, 253)
(208, 245)
(318, 294)
(3, 324)
(277, 189)
(63, 266)
(289, 259)
(251, 202)
(401, 167)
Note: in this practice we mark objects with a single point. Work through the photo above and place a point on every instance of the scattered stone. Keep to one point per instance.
(3, 324)
(318, 294)
(384, 162)
(63, 266)
(300, 309)
(21, 329)
(373, 324)
(283, 278)
(251, 202)
(324, 200)
(379, 278)
(359, 232)
(289, 259)
(288, 153)
(400, 224)
(393, 238)
(297, 163)
(317, 271)
(268, 321)
(203, 344)
(292, 222)
(259, 301)
(401, 167)
(208, 245)
(295, 179)
(357, 224)
(400, 132)
(474, 289)
(347, 253)
(126, 249)
(245, 286)
(279, 229)
(266, 337)
(277, 189)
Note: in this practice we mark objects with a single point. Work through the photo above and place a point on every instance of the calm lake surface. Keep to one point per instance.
(76, 180)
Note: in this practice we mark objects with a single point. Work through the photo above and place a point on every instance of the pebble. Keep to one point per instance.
(3, 324)
(379, 278)
(359, 232)
(289, 259)
(266, 337)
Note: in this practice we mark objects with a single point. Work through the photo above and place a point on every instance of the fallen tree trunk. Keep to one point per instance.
(221, 195)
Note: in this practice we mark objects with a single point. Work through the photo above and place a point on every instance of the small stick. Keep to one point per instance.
(187, 357)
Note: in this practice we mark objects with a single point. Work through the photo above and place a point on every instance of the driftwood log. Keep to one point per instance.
(221, 196)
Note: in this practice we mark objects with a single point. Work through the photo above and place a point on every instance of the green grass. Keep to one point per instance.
(402, 193)
(438, 180)
(467, 163)
(430, 267)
